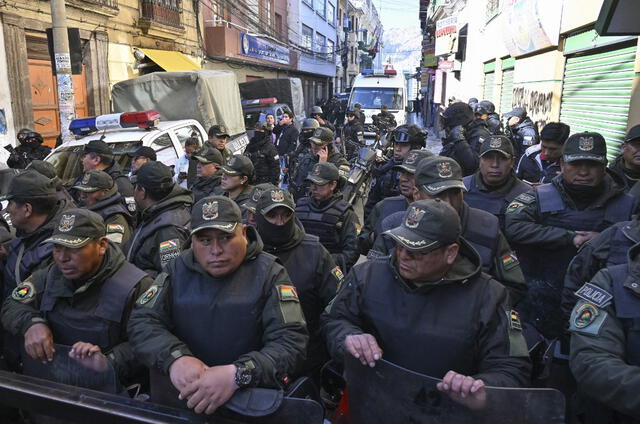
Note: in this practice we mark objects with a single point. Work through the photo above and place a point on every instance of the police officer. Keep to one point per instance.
(357, 108)
(48, 170)
(249, 207)
(326, 215)
(30, 148)
(385, 120)
(141, 156)
(551, 222)
(627, 164)
(263, 155)
(495, 185)
(352, 134)
(163, 227)
(254, 336)
(237, 179)
(521, 129)
(309, 126)
(456, 144)
(218, 137)
(82, 300)
(99, 194)
(386, 176)
(604, 344)
(318, 115)
(321, 150)
(487, 111)
(433, 278)
(312, 269)
(208, 178)
(540, 163)
(391, 205)
(477, 131)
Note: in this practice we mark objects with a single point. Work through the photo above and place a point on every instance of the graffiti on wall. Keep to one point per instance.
(538, 104)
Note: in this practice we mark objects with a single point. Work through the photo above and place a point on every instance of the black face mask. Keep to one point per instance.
(583, 195)
(275, 235)
(258, 136)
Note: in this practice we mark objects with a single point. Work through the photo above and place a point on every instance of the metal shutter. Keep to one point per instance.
(506, 96)
(596, 93)
(487, 92)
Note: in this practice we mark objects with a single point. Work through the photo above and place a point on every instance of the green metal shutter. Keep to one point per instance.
(506, 96)
(596, 93)
(487, 92)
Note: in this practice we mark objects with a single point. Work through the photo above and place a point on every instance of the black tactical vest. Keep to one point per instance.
(492, 202)
(21, 261)
(179, 217)
(481, 231)
(112, 206)
(323, 222)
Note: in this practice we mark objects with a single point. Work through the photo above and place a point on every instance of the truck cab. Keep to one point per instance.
(372, 89)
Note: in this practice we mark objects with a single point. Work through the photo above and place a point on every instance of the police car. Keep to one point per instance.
(125, 133)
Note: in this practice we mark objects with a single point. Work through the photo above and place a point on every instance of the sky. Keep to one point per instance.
(398, 13)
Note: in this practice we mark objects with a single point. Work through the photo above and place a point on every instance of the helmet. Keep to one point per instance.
(33, 136)
(457, 114)
(310, 124)
(409, 133)
(351, 111)
(261, 126)
(487, 106)
(316, 110)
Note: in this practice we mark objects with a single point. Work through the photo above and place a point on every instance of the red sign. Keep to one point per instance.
(445, 65)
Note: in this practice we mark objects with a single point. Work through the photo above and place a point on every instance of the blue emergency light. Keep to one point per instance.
(367, 72)
(115, 121)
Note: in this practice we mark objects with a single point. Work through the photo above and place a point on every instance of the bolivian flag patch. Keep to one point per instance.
(286, 292)
(24, 292)
(509, 261)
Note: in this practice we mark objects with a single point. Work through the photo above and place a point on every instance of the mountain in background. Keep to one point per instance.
(402, 48)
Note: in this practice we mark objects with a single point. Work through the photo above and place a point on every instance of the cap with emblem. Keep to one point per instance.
(94, 181)
(76, 228)
(145, 152)
(520, 112)
(585, 146)
(218, 131)
(215, 212)
(427, 225)
(45, 168)
(274, 198)
(436, 174)
(239, 165)
(410, 163)
(208, 154)
(255, 196)
(97, 146)
(497, 143)
(30, 184)
(323, 173)
(321, 136)
(633, 134)
(154, 175)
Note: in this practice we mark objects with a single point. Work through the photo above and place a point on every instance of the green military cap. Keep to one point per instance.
(76, 227)
(45, 168)
(497, 143)
(208, 154)
(410, 163)
(585, 146)
(154, 175)
(97, 146)
(274, 198)
(217, 212)
(255, 196)
(30, 184)
(238, 165)
(93, 181)
(427, 225)
(218, 131)
(323, 173)
(436, 174)
(321, 136)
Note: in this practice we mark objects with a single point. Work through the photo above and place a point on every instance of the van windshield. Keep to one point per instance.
(375, 97)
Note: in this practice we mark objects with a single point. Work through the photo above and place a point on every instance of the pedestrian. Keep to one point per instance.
(456, 144)
(264, 155)
(186, 166)
(325, 214)
(540, 163)
(98, 193)
(430, 309)
(208, 175)
(163, 225)
(29, 148)
(352, 134)
(255, 336)
(521, 129)
(237, 179)
(141, 156)
(357, 108)
(311, 267)
(626, 166)
(494, 186)
(83, 299)
(286, 142)
(218, 138)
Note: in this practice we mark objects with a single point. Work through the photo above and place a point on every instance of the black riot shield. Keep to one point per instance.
(388, 393)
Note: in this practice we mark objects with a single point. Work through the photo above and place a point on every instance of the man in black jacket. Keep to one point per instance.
(352, 134)
(627, 165)
(540, 163)
(286, 141)
(521, 129)
(456, 144)
(208, 174)
(30, 149)
(487, 111)
(263, 155)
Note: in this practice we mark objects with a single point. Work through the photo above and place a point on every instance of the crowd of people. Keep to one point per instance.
(506, 259)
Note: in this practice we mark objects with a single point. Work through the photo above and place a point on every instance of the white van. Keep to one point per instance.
(374, 89)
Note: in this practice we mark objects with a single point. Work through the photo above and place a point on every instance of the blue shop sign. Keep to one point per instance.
(261, 49)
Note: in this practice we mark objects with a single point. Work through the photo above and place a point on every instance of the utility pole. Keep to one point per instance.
(66, 99)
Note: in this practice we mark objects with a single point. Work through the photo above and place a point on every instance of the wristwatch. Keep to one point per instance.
(244, 374)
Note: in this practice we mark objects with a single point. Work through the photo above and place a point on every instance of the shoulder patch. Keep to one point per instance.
(287, 293)
(337, 272)
(510, 261)
(24, 292)
(515, 206)
(526, 198)
(149, 295)
(115, 228)
(514, 320)
(586, 318)
(595, 295)
(168, 250)
(131, 203)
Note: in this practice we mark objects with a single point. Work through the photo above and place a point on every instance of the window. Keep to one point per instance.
(164, 150)
(493, 7)
(166, 12)
(321, 45)
(330, 50)
(268, 14)
(279, 29)
(320, 7)
(218, 12)
(183, 133)
(253, 12)
(331, 14)
(307, 38)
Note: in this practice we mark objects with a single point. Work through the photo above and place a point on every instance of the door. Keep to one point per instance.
(45, 99)
(487, 92)
(506, 95)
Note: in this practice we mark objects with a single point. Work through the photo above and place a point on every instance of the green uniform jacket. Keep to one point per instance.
(284, 330)
(19, 316)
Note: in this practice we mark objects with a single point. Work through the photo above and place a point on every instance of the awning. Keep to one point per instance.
(171, 61)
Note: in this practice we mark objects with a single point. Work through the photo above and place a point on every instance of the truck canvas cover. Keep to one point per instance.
(286, 90)
(210, 97)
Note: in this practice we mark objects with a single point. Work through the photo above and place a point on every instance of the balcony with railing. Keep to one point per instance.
(102, 7)
(163, 12)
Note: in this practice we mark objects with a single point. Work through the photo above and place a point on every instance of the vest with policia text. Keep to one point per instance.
(323, 223)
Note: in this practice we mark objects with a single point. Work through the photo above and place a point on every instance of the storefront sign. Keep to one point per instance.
(429, 56)
(438, 87)
(265, 50)
(526, 24)
(445, 65)
(446, 36)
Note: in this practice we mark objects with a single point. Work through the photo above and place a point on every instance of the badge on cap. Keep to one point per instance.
(411, 158)
(317, 132)
(316, 170)
(85, 179)
(414, 217)
(66, 223)
(585, 143)
(495, 143)
(210, 210)
(277, 196)
(256, 195)
(444, 170)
